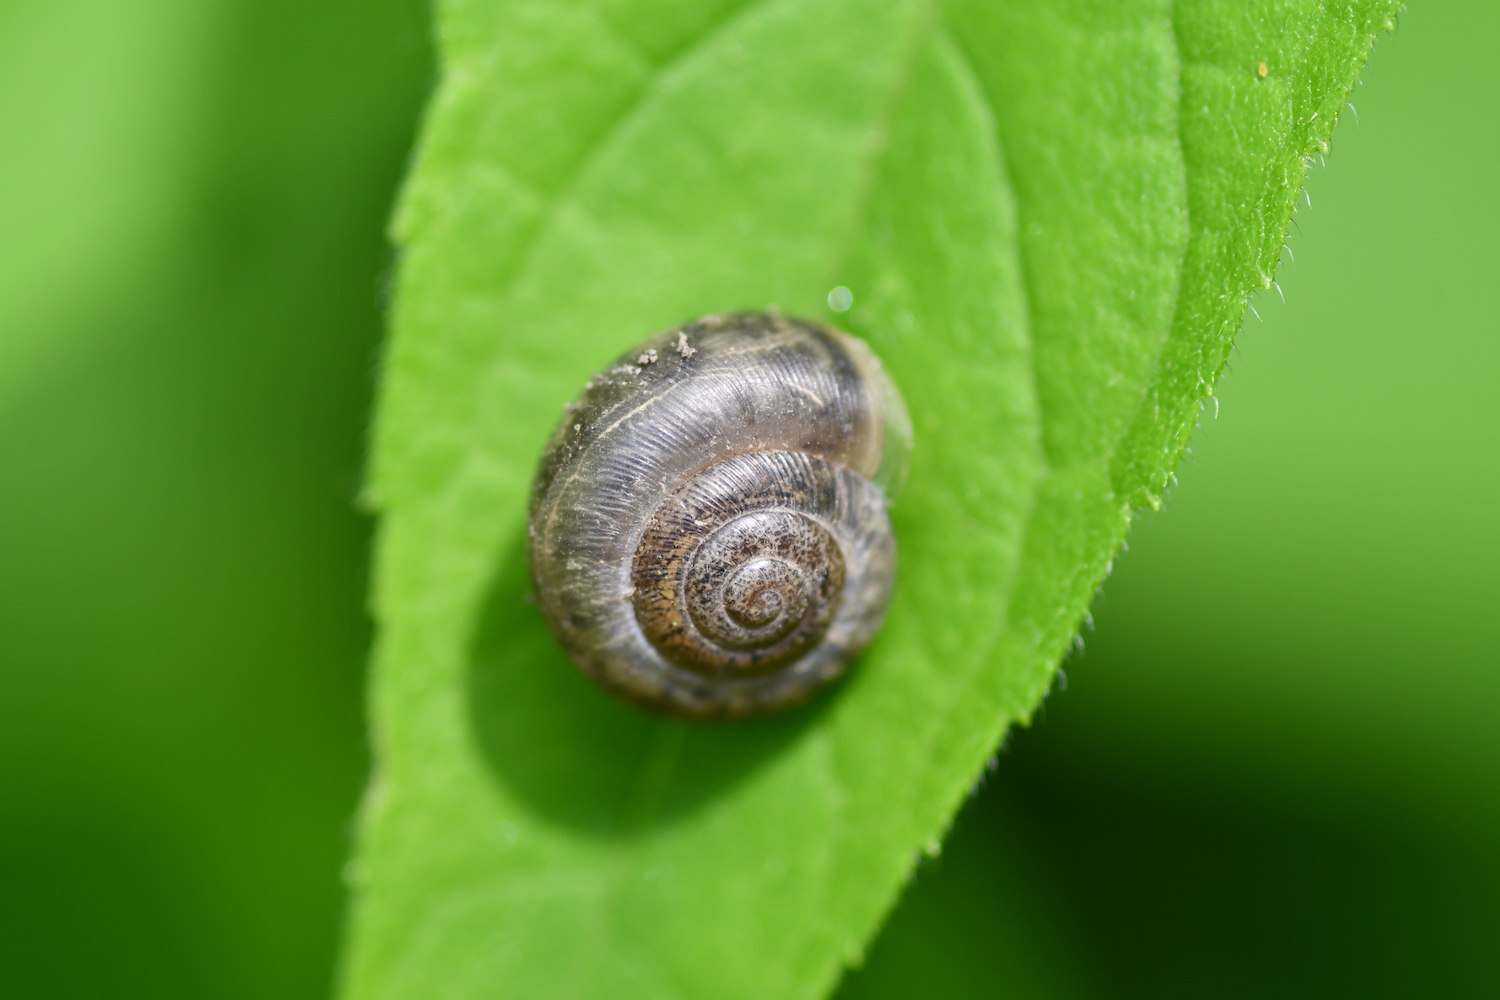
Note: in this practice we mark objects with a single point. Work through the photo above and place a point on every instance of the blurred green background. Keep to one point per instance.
(193, 196)
(1276, 770)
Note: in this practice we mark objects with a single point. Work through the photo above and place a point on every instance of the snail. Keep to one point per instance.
(708, 535)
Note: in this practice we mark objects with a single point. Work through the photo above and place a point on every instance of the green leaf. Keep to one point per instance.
(1050, 215)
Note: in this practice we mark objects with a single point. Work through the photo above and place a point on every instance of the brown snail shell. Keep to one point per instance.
(708, 529)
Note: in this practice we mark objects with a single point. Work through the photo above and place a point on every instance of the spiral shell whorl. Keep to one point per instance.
(707, 535)
(741, 572)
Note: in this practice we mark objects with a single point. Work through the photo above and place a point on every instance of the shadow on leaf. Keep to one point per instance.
(576, 756)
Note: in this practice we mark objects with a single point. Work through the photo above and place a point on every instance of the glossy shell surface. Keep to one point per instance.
(708, 530)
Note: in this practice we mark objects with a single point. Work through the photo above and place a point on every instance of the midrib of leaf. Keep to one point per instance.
(954, 105)
(938, 35)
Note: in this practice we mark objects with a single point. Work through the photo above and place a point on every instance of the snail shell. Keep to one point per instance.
(708, 529)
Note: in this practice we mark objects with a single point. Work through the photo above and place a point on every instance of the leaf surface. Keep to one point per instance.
(1049, 213)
